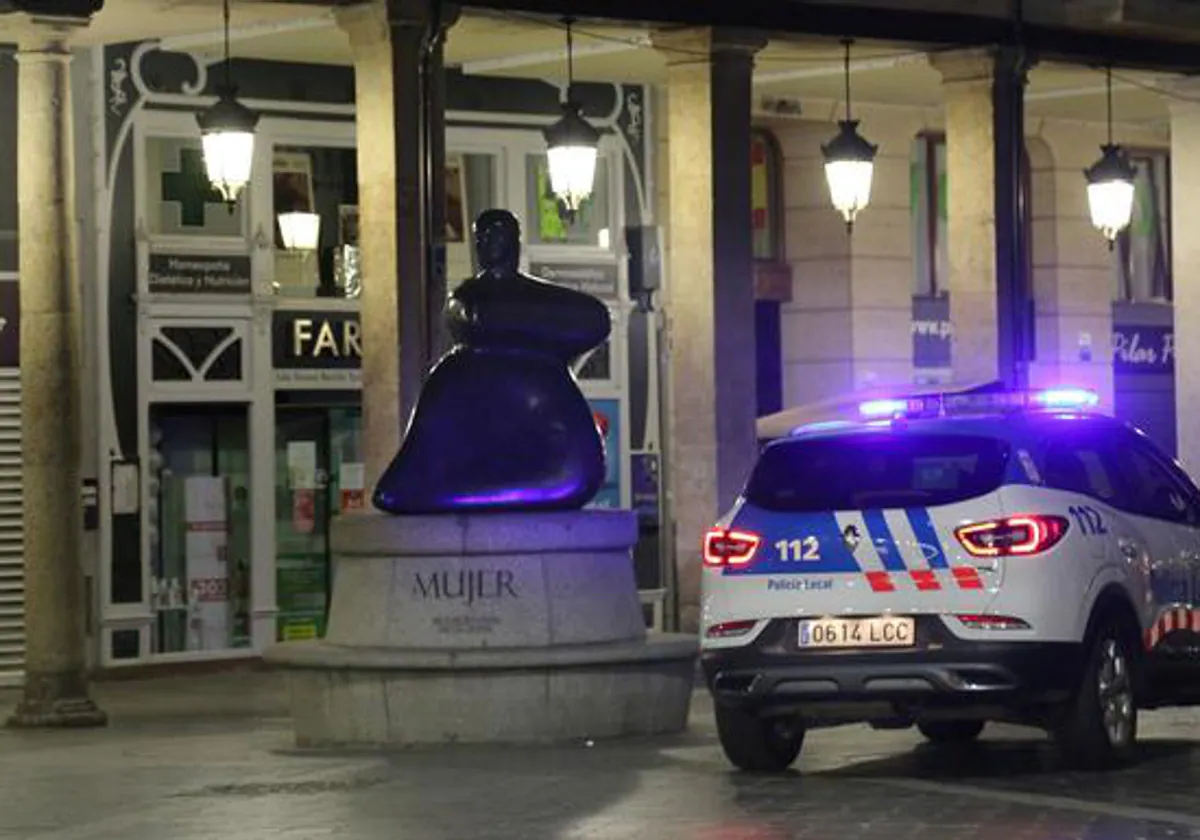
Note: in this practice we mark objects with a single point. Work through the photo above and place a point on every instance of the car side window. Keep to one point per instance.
(1079, 467)
(1151, 489)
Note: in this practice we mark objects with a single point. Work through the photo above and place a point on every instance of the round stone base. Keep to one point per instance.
(486, 628)
(387, 697)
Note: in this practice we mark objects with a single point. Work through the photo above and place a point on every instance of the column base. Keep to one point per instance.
(56, 701)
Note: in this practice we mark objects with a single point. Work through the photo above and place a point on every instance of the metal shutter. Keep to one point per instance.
(12, 572)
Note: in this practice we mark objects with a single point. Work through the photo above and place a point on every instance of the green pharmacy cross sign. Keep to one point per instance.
(190, 187)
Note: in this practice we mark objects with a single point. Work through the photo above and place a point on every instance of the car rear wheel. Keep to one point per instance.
(951, 731)
(1099, 725)
(757, 744)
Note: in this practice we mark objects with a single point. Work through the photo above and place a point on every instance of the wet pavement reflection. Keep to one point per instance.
(212, 758)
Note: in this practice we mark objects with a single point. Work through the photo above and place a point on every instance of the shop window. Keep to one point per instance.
(199, 518)
(772, 274)
(1142, 256)
(470, 189)
(765, 197)
(179, 199)
(928, 205)
(324, 181)
(549, 226)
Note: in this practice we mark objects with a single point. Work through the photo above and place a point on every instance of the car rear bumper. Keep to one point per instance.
(941, 673)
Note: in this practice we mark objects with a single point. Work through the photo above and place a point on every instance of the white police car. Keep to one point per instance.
(952, 560)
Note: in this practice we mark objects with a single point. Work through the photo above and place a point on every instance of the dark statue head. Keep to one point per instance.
(498, 241)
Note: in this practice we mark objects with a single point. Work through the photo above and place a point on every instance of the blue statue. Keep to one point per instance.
(501, 423)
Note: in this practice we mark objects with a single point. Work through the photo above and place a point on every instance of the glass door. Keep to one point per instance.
(199, 527)
(319, 475)
(301, 522)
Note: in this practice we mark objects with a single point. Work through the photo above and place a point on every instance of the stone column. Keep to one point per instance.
(56, 691)
(1185, 268)
(396, 158)
(970, 170)
(710, 287)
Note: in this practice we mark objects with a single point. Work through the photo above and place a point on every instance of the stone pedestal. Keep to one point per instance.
(522, 627)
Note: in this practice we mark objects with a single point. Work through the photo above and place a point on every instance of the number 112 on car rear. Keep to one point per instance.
(790, 551)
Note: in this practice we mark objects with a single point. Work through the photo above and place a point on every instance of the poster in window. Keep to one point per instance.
(293, 193)
(456, 199)
(348, 232)
(206, 547)
(607, 414)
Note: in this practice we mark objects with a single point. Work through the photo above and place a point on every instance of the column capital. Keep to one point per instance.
(374, 22)
(973, 66)
(46, 35)
(689, 45)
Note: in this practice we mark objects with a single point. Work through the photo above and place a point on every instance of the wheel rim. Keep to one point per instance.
(1115, 691)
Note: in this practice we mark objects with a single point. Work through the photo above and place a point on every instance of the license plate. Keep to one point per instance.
(857, 632)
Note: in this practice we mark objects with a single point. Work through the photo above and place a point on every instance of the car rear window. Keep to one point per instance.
(876, 471)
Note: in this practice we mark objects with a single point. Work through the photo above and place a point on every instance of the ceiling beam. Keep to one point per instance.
(944, 30)
(533, 59)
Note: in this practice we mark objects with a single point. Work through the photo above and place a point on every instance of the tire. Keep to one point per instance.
(758, 745)
(1098, 728)
(951, 731)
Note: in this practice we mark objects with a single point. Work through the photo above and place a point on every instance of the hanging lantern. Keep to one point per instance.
(849, 162)
(227, 131)
(1110, 182)
(300, 231)
(572, 145)
(849, 168)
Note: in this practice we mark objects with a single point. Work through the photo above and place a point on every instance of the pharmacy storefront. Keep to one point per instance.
(230, 358)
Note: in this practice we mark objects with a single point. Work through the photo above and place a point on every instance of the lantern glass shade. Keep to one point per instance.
(227, 132)
(572, 145)
(849, 170)
(1111, 192)
(300, 231)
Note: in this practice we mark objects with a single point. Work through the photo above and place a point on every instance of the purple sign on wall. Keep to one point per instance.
(1143, 349)
(931, 332)
(645, 466)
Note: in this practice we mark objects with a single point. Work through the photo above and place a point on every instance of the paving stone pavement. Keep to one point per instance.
(211, 757)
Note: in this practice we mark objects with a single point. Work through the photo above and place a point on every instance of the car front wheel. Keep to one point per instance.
(758, 744)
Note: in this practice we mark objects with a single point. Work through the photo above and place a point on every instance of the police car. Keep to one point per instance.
(948, 560)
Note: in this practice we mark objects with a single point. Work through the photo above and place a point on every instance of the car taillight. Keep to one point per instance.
(725, 547)
(1013, 536)
(727, 629)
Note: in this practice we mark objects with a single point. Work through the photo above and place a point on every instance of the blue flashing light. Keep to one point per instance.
(1066, 398)
(937, 405)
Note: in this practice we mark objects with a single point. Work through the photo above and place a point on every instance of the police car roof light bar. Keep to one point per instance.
(940, 405)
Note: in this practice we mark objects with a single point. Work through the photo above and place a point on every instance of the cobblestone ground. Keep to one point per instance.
(211, 757)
